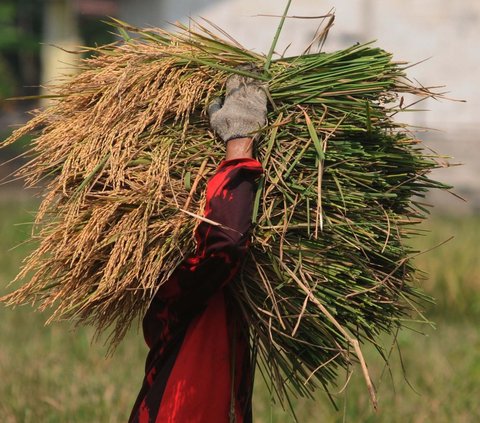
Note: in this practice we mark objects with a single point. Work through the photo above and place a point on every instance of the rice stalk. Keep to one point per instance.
(125, 152)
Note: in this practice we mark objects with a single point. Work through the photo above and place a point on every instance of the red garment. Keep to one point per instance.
(193, 327)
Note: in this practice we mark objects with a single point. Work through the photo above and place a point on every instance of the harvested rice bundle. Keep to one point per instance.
(122, 151)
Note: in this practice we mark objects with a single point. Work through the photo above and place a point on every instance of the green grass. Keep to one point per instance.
(454, 268)
(55, 374)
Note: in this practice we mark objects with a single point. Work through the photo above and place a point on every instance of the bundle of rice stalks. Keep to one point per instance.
(126, 150)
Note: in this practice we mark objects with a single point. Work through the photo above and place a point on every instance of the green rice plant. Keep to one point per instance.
(125, 150)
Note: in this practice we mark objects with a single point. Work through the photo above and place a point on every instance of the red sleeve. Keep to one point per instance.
(220, 247)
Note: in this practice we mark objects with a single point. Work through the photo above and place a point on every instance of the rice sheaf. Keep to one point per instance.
(124, 152)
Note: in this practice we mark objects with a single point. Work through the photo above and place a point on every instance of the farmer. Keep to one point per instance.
(199, 368)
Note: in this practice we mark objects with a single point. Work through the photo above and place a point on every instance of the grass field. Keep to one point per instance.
(54, 374)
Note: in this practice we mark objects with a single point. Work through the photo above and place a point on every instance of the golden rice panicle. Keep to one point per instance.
(109, 227)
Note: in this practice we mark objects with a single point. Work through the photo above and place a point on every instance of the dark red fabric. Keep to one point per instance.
(198, 367)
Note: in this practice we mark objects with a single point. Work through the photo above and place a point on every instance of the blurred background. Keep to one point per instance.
(55, 374)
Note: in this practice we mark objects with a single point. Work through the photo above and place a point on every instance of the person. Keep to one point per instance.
(198, 369)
